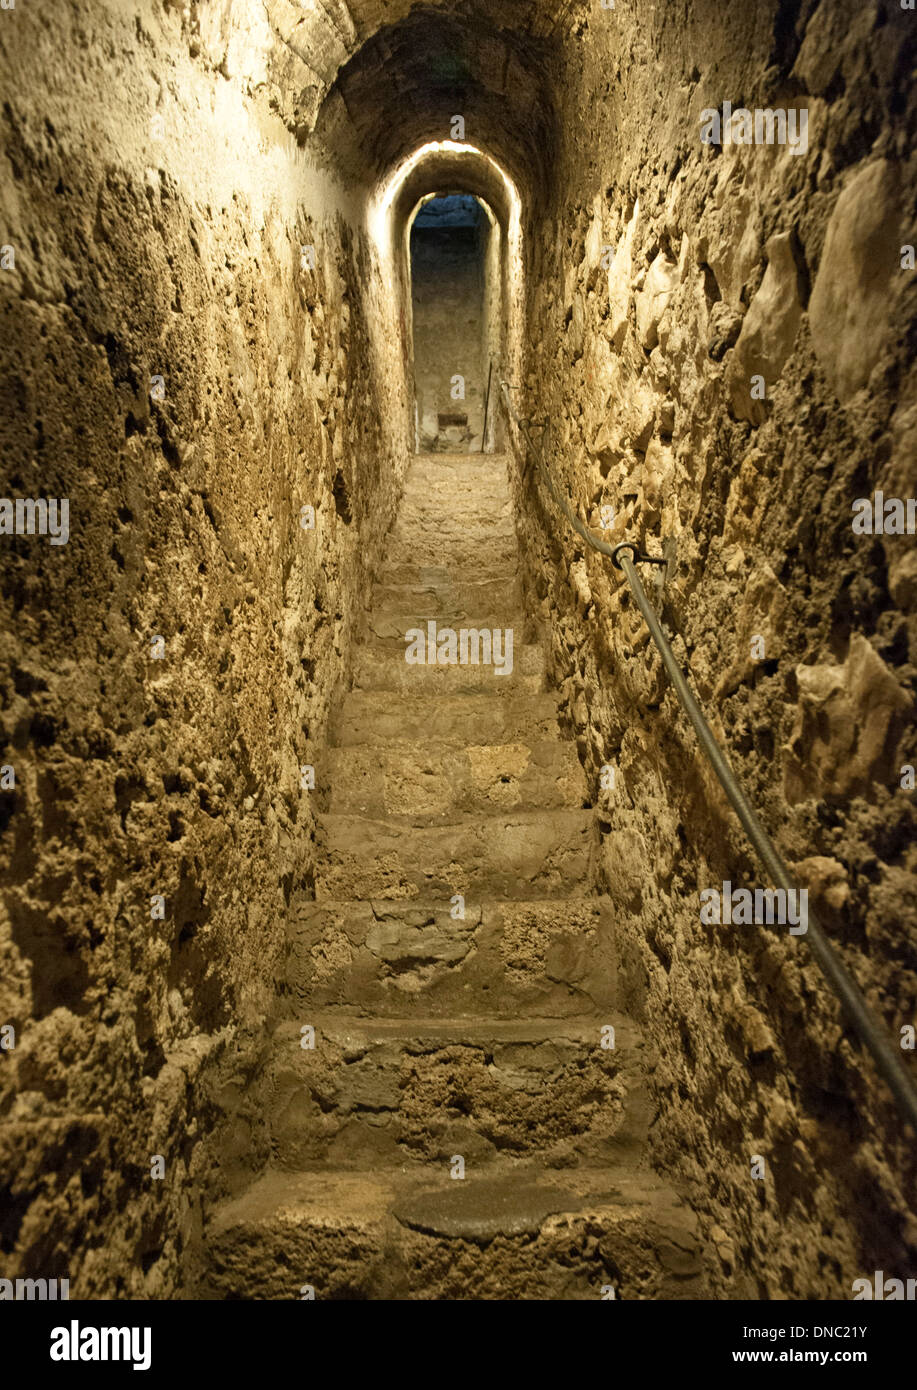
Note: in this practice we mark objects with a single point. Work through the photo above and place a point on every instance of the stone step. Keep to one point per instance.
(468, 505)
(438, 781)
(455, 499)
(503, 958)
(518, 855)
(388, 625)
(374, 1092)
(422, 1235)
(383, 666)
(473, 490)
(501, 569)
(445, 593)
(488, 559)
(426, 527)
(437, 464)
(425, 521)
(445, 474)
(380, 717)
(467, 511)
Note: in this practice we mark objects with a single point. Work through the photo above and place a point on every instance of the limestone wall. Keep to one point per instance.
(157, 208)
(200, 340)
(732, 263)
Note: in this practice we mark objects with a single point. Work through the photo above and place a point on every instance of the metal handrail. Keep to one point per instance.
(869, 1027)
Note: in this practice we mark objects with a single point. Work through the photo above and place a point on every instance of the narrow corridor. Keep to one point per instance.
(377, 918)
(469, 1105)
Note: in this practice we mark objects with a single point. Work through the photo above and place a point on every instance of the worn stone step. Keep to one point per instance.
(392, 625)
(438, 464)
(459, 510)
(407, 561)
(432, 516)
(454, 499)
(512, 666)
(385, 1091)
(380, 717)
(519, 855)
(499, 567)
(464, 509)
(437, 781)
(467, 495)
(424, 524)
(502, 958)
(448, 474)
(442, 592)
(421, 1235)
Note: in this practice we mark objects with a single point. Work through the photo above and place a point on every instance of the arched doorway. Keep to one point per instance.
(455, 300)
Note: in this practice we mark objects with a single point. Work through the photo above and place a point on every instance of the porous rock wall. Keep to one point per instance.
(157, 208)
(731, 263)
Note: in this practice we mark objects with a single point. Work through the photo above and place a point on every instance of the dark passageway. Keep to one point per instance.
(372, 919)
(449, 246)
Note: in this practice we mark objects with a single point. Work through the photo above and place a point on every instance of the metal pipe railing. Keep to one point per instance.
(871, 1031)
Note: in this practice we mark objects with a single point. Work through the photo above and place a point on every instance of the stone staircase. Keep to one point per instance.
(448, 1043)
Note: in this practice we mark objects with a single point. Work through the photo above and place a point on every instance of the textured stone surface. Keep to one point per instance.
(426, 1029)
(386, 1091)
(379, 716)
(441, 781)
(550, 958)
(162, 169)
(139, 255)
(484, 1211)
(517, 854)
(859, 277)
(768, 331)
(356, 1236)
(793, 270)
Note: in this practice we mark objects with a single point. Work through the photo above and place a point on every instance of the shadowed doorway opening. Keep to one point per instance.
(454, 279)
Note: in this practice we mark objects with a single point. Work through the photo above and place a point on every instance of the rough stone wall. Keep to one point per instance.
(495, 331)
(730, 263)
(157, 208)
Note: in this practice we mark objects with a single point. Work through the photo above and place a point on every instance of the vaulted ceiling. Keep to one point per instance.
(374, 79)
(405, 85)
